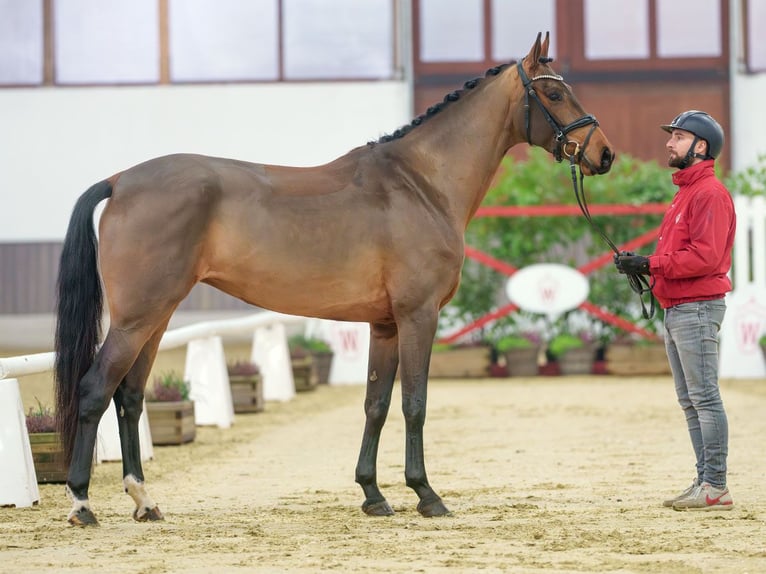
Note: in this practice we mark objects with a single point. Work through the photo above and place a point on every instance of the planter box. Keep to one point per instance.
(322, 363)
(637, 360)
(247, 393)
(577, 361)
(461, 362)
(171, 422)
(48, 457)
(522, 362)
(304, 374)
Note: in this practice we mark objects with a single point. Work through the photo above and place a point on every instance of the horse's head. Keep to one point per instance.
(552, 118)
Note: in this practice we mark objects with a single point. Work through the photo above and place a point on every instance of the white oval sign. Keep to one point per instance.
(547, 288)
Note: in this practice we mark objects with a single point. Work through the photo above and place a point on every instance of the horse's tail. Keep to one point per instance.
(78, 321)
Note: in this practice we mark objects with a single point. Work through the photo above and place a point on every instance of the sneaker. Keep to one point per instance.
(671, 501)
(706, 497)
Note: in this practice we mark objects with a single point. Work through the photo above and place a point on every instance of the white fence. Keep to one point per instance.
(205, 370)
(745, 322)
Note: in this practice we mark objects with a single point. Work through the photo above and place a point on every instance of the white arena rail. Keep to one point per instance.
(11, 367)
(205, 370)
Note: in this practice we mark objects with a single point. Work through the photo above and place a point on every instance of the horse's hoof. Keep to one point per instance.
(83, 517)
(432, 508)
(380, 508)
(149, 515)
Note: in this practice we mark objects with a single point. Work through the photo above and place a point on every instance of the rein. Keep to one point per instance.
(638, 282)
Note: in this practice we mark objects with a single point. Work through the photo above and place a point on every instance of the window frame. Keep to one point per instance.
(748, 40)
(574, 11)
(48, 50)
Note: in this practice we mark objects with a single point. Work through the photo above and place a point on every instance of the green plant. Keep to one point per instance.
(564, 342)
(169, 387)
(751, 181)
(568, 240)
(307, 344)
(40, 419)
(243, 368)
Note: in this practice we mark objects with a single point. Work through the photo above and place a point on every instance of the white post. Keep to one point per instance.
(18, 480)
(272, 356)
(209, 380)
(108, 438)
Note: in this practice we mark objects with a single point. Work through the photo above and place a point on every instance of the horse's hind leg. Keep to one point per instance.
(384, 359)
(96, 388)
(128, 402)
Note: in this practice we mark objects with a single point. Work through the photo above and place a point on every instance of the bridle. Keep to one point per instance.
(638, 283)
(559, 130)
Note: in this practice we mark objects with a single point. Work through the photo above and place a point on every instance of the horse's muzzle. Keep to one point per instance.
(604, 164)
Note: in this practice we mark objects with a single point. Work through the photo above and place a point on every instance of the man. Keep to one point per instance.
(689, 273)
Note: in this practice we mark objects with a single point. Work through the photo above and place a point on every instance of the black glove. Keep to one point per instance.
(629, 262)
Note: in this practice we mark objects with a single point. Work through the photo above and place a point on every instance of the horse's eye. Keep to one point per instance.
(554, 96)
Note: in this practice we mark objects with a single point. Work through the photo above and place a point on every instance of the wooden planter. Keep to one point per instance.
(247, 393)
(577, 361)
(522, 362)
(625, 359)
(461, 362)
(171, 422)
(304, 374)
(48, 457)
(322, 362)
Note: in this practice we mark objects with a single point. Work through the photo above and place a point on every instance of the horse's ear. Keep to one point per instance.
(546, 43)
(535, 52)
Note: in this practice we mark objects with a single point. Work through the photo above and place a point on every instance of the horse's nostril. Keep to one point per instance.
(606, 157)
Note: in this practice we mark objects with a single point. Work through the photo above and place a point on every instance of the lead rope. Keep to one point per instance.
(638, 282)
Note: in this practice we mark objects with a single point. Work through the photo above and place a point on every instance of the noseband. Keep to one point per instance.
(559, 130)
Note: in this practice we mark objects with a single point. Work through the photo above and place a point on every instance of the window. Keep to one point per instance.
(755, 31)
(647, 34)
(233, 40)
(106, 41)
(76, 42)
(439, 21)
(625, 37)
(688, 33)
(469, 36)
(511, 37)
(338, 39)
(21, 42)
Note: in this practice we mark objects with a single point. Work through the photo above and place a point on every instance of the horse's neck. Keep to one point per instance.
(462, 149)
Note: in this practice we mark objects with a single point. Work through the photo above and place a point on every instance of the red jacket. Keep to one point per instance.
(693, 254)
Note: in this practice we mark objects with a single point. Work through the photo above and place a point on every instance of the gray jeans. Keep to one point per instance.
(691, 342)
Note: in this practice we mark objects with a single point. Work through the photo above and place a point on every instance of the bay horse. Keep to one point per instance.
(374, 236)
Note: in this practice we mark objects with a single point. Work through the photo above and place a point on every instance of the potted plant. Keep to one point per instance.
(461, 361)
(572, 347)
(170, 411)
(320, 352)
(47, 452)
(631, 355)
(521, 354)
(246, 387)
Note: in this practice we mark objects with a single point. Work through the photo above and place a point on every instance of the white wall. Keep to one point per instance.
(748, 93)
(56, 142)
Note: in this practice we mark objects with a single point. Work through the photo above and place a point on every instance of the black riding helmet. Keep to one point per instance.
(704, 127)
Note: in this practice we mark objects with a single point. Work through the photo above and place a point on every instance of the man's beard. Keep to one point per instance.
(675, 160)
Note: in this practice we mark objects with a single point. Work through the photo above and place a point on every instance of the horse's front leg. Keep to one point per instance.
(416, 336)
(383, 361)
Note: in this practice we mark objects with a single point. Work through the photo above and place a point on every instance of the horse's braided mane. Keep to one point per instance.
(436, 108)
